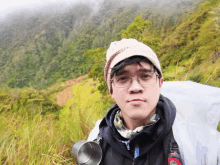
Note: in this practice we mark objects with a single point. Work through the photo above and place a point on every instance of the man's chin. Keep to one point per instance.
(139, 116)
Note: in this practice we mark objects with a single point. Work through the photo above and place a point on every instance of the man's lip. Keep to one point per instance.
(136, 100)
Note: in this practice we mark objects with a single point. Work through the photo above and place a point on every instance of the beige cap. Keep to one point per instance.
(120, 50)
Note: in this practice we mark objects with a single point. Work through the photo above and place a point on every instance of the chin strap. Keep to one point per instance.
(174, 157)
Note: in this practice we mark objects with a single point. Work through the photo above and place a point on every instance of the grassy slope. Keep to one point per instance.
(189, 52)
(86, 107)
(30, 138)
(33, 138)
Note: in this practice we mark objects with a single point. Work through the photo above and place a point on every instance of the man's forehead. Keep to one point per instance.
(142, 67)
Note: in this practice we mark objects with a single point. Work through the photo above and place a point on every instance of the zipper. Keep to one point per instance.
(127, 144)
(133, 162)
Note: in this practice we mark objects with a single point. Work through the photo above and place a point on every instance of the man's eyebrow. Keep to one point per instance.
(121, 72)
(125, 71)
(145, 70)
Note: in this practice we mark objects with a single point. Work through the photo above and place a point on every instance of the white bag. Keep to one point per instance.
(195, 126)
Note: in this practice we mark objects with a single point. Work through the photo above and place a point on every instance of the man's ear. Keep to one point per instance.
(161, 81)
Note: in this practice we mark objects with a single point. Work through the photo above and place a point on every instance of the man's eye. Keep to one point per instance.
(146, 76)
(123, 79)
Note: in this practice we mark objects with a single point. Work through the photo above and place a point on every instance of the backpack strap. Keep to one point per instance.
(98, 139)
(103, 145)
(174, 157)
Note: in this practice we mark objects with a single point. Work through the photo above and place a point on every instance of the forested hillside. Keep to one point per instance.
(41, 47)
(190, 51)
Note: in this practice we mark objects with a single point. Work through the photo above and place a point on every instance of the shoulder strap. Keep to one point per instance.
(103, 145)
(98, 139)
(173, 145)
(174, 157)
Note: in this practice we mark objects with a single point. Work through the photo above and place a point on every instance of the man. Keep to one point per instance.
(139, 128)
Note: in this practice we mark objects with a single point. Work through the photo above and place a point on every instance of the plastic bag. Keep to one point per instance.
(195, 125)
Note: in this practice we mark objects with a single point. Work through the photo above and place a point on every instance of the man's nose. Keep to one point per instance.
(135, 86)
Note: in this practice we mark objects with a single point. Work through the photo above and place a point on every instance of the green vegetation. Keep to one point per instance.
(38, 131)
(39, 49)
(96, 59)
(190, 52)
(79, 115)
(194, 46)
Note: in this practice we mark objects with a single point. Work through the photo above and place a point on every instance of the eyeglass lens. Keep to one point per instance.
(145, 78)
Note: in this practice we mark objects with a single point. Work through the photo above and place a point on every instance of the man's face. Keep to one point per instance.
(137, 102)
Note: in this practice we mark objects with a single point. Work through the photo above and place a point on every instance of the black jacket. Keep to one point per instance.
(153, 141)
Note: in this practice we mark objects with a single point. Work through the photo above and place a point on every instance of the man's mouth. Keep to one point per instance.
(136, 100)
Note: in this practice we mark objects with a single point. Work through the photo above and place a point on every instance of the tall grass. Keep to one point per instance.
(35, 138)
(82, 111)
(36, 141)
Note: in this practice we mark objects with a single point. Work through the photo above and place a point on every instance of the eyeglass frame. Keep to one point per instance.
(157, 75)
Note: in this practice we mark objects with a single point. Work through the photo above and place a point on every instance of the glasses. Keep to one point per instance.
(143, 78)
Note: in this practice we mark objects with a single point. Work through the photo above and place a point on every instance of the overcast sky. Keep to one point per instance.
(7, 6)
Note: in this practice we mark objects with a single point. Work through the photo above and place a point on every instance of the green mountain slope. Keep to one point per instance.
(40, 48)
(192, 51)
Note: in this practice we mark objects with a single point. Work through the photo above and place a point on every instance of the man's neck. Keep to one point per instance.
(134, 123)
